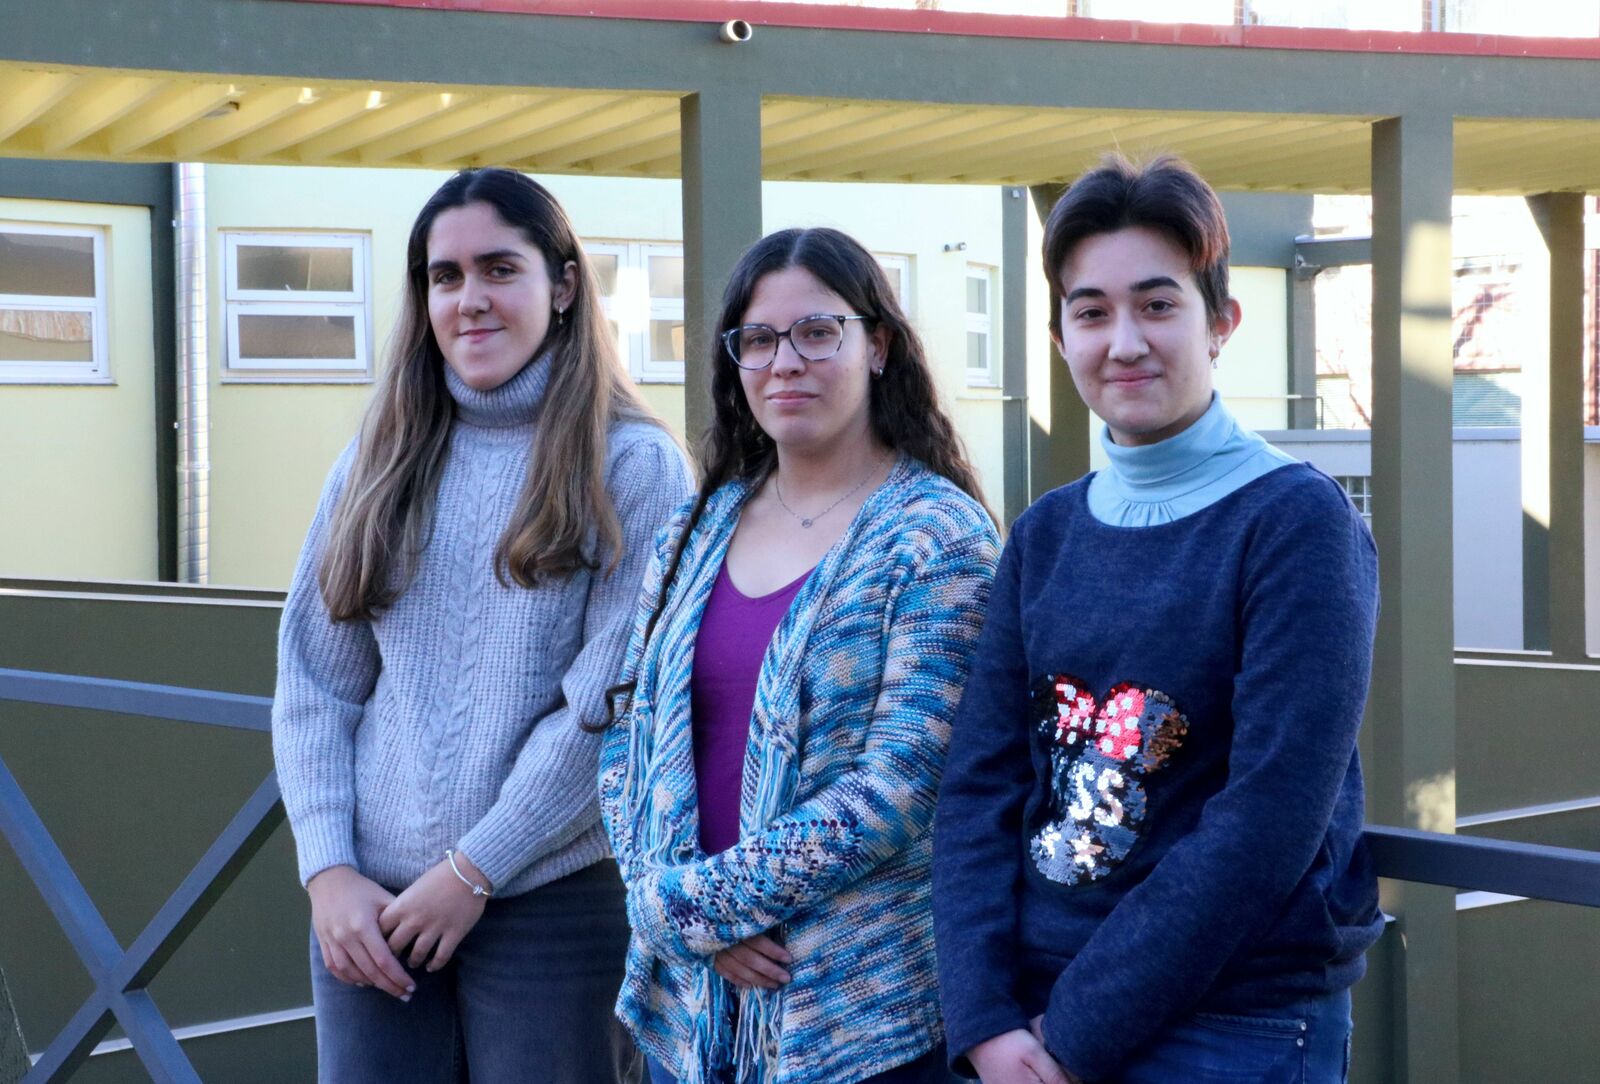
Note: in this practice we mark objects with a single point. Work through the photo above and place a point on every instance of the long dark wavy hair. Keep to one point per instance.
(564, 519)
(903, 404)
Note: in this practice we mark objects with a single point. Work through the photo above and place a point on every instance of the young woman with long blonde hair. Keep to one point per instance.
(460, 607)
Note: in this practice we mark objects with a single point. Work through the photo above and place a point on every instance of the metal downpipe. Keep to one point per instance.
(194, 374)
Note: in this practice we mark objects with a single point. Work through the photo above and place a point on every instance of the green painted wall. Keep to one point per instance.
(80, 460)
(1252, 374)
(272, 443)
(133, 802)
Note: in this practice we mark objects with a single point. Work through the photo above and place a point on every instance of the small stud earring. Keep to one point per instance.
(877, 372)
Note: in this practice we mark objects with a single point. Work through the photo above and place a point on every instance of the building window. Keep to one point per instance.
(296, 306)
(52, 305)
(641, 293)
(981, 361)
(1359, 489)
(898, 271)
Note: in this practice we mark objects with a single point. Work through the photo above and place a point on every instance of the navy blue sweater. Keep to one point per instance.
(1152, 803)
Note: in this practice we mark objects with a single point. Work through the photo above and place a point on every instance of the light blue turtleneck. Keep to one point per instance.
(1158, 483)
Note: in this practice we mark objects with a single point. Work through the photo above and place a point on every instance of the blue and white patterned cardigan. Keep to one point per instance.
(847, 743)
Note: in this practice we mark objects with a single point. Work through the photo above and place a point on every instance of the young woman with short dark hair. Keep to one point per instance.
(1148, 862)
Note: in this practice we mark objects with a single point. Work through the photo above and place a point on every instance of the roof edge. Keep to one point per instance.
(1046, 27)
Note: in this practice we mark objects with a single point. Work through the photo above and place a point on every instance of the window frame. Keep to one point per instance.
(639, 306)
(281, 366)
(355, 302)
(902, 263)
(97, 370)
(653, 369)
(1358, 487)
(982, 324)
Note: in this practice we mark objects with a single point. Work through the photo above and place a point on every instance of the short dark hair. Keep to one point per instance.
(1166, 195)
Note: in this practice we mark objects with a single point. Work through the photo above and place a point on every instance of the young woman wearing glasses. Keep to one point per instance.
(461, 605)
(801, 644)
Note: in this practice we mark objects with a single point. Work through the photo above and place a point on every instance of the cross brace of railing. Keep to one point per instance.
(122, 977)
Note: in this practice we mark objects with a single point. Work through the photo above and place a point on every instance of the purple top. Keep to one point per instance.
(734, 633)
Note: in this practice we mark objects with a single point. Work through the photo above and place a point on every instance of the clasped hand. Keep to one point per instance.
(364, 930)
(757, 961)
(1018, 1057)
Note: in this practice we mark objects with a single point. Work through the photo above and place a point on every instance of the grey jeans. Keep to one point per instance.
(528, 996)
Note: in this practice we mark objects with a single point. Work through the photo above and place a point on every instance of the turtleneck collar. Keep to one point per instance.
(1158, 483)
(511, 404)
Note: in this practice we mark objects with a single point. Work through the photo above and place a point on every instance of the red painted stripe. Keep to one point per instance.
(818, 16)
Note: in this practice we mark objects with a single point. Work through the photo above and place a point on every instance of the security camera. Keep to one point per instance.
(735, 31)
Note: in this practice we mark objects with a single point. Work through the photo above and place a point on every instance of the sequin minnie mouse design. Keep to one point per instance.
(1100, 751)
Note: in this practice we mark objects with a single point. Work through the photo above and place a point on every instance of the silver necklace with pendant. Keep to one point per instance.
(807, 521)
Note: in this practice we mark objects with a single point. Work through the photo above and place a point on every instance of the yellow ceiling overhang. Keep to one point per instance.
(138, 116)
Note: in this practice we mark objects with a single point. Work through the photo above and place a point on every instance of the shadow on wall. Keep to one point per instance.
(13, 1051)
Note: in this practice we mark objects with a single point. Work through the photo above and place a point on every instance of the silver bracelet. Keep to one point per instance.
(477, 889)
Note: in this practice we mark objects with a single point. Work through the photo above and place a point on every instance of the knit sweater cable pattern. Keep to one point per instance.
(452, 719)
(847, 741)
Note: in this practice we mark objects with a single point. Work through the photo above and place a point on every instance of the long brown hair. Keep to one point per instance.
(902, 405)
(564, 519)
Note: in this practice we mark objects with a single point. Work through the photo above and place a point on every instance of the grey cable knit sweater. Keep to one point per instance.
(452, 719)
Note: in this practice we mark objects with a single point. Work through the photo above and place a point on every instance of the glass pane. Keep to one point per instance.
(44, 265)
(318, 337)
(977, 294)
(977, 351)
(46, 335)
(666, 340)
(666, 276)
(291, 268)
(895, 283)
(605, 269)
(816, 339)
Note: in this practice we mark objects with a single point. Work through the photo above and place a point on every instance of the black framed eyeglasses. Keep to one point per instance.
(815, 338)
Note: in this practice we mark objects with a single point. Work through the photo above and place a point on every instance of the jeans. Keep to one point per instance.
(527, 996)
(1308, 1042)
(927, 1069)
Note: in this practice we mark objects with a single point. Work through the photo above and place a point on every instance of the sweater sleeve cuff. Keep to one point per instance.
(323, 842)
(647, 917)
(499, 845)
(961, 1036)
(1085, 1058)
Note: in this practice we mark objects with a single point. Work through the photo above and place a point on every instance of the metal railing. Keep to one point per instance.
(122, 976)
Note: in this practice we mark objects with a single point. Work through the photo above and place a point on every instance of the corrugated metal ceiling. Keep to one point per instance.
(157, 116)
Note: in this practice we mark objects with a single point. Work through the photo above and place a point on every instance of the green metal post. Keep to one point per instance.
(1302, 289)
(1059, 450)
(721, 136)
(1016, 266)
(1412, 706)
(1552, 445)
